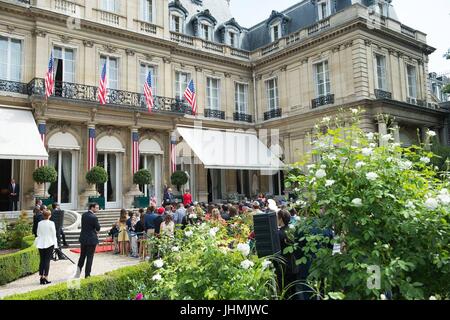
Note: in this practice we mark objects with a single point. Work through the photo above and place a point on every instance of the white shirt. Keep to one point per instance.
(46, 235)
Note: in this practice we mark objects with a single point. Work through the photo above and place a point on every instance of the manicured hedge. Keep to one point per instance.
(19, 264)
(114, 285)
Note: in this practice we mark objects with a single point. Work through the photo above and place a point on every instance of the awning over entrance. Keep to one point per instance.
(19, 136)
(230, 150)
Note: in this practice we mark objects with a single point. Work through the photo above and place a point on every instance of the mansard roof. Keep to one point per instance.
(176, 4)
(231, 23)
(205, 14)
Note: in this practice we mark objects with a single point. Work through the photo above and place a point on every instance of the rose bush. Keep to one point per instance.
(387, 207)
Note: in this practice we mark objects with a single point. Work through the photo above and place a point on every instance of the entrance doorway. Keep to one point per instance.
(111, 190)
(216, 184)
(5, 179)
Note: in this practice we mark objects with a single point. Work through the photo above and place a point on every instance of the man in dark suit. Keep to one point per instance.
(14, 190)
(38, 217)
(57, 217)
(88, 239)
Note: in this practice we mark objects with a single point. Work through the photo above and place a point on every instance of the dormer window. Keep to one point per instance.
(229, 33)
(276, 32)
(277, 25)
(233, 37)
(324, 8)
(176, 23)
(178, 14)
(204, 24)
(207, 31)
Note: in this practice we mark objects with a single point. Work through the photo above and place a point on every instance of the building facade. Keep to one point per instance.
(278, 78)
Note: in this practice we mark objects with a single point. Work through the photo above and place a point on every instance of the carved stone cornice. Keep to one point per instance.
(93, 114)
(368, 43)
(283, 68)
(40, 109)
(109, 48)
(148, 57)
(198, 69)
(109, 130)
(304, 61)
(227, 75)
(10, 28)
(61, 126)
(88, 43)
(136, 117)
(39, 33)
(258, 76)
(348, 44)
(336, 48)
(65, 39)
(147, 132)
(392, 52)
(130, 52)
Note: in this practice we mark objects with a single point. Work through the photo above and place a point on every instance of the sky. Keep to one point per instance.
(431, 17)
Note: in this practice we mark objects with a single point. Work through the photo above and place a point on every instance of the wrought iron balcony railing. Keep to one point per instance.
(237, 116)
(381, 94)
(322, 101)
(209, 113)
(275, 113)
(79, 92)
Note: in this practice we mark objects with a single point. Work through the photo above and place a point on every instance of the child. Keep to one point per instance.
(114, 233)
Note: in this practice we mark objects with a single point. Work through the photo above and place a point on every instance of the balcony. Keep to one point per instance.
(408, 31)
(208, 45)
(76, 93)
(110, 18)
(147, 27)
(209, 113)
(322, 101)
(381, 94)
(66, 7)
(323, 24)
(272, 114)
(237, 116)
(182, 38)
(240, 53)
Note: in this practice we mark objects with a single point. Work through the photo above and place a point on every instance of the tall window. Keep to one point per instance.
(147, 10)
(324, 9)
(276, 31)
(213, 93)
(181, 81)
(322, 75)
(272, 94)
(412, 81)
(10, 59)
(241, 98)
(144, 69)
(233, 39)
(207, 32)
(112, 71)
(110, 5)
(66, 60)
(381, 72)
(176, 23)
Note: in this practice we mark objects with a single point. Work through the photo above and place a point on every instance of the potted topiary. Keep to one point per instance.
(42, 176)
(179, 178)
(142, 177)
(95, 176)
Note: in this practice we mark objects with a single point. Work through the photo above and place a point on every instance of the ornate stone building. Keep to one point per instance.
(278, 78)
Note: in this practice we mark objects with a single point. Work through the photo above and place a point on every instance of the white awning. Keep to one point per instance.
(230, 150)
(19, 136)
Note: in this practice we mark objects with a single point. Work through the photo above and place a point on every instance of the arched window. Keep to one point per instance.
(230, 33)
(177, 16)
(277, 25)
(204, 24)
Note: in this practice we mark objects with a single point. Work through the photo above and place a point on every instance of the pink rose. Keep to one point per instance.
(139, 296)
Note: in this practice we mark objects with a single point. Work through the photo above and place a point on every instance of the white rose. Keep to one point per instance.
(425, 160)
(357, 202)
(266, 264)
(246, 264)
(372, 176)
(188, 234)
(383, 297)
(332, 157)
(243, 248)
(367, 152)
(405, 165)
(372, 145)
(359, 165)
(213, 231)
(321, 174)
(326, 119)
(443, 191)
(158, 263)
(410, 205)
(311, 166)
(431, 204)
(323, 166)
(156, 277)
(386, 137)
(329, 183)
(431, 133)
(175, 249)
(370, 136)
(354, 111)
(444, 198)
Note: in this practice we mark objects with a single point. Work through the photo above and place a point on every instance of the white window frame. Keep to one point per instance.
(8, 61)
(275, 36)
(180, 87)
(276, 98)
(415, 89)
(209, 90)
(110, 5)
(172, 22)
(385, 84)
(108, 73)
(63, 56)
(142, 80)
(146, 14)
(205, 25)
(241, 106)
(230, 34)
(326, 77)
(320, 5)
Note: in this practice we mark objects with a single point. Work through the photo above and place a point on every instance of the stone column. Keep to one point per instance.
(134, 161)
(39, 188)
(382, 129)
(396, 132)
(91, 161)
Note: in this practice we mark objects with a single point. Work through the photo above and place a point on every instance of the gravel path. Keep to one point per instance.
(63, 270)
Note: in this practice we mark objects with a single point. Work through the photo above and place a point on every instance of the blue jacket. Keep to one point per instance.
(149, 220)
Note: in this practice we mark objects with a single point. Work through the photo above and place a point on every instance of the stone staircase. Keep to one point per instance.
(106, 218)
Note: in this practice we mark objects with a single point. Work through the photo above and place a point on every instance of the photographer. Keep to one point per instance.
(57, 217)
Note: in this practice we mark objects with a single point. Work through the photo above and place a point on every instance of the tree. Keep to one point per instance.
(45, 174)
(179, 178)
(97, 175)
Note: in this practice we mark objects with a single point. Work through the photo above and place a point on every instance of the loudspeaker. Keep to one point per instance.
(266, 234)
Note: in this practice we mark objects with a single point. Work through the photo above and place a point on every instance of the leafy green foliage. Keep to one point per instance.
(97, 175)
(388, 208)
(142, 177)
(446, 89)
(179, 178)
(19, 230)
(45, 174)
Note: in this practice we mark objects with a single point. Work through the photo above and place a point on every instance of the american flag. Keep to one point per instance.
(102, 87)
(49, 77)
(191, 96)
(41, 128)
(173, 156)
(135, 152)
(91, 149)
(148, 92)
